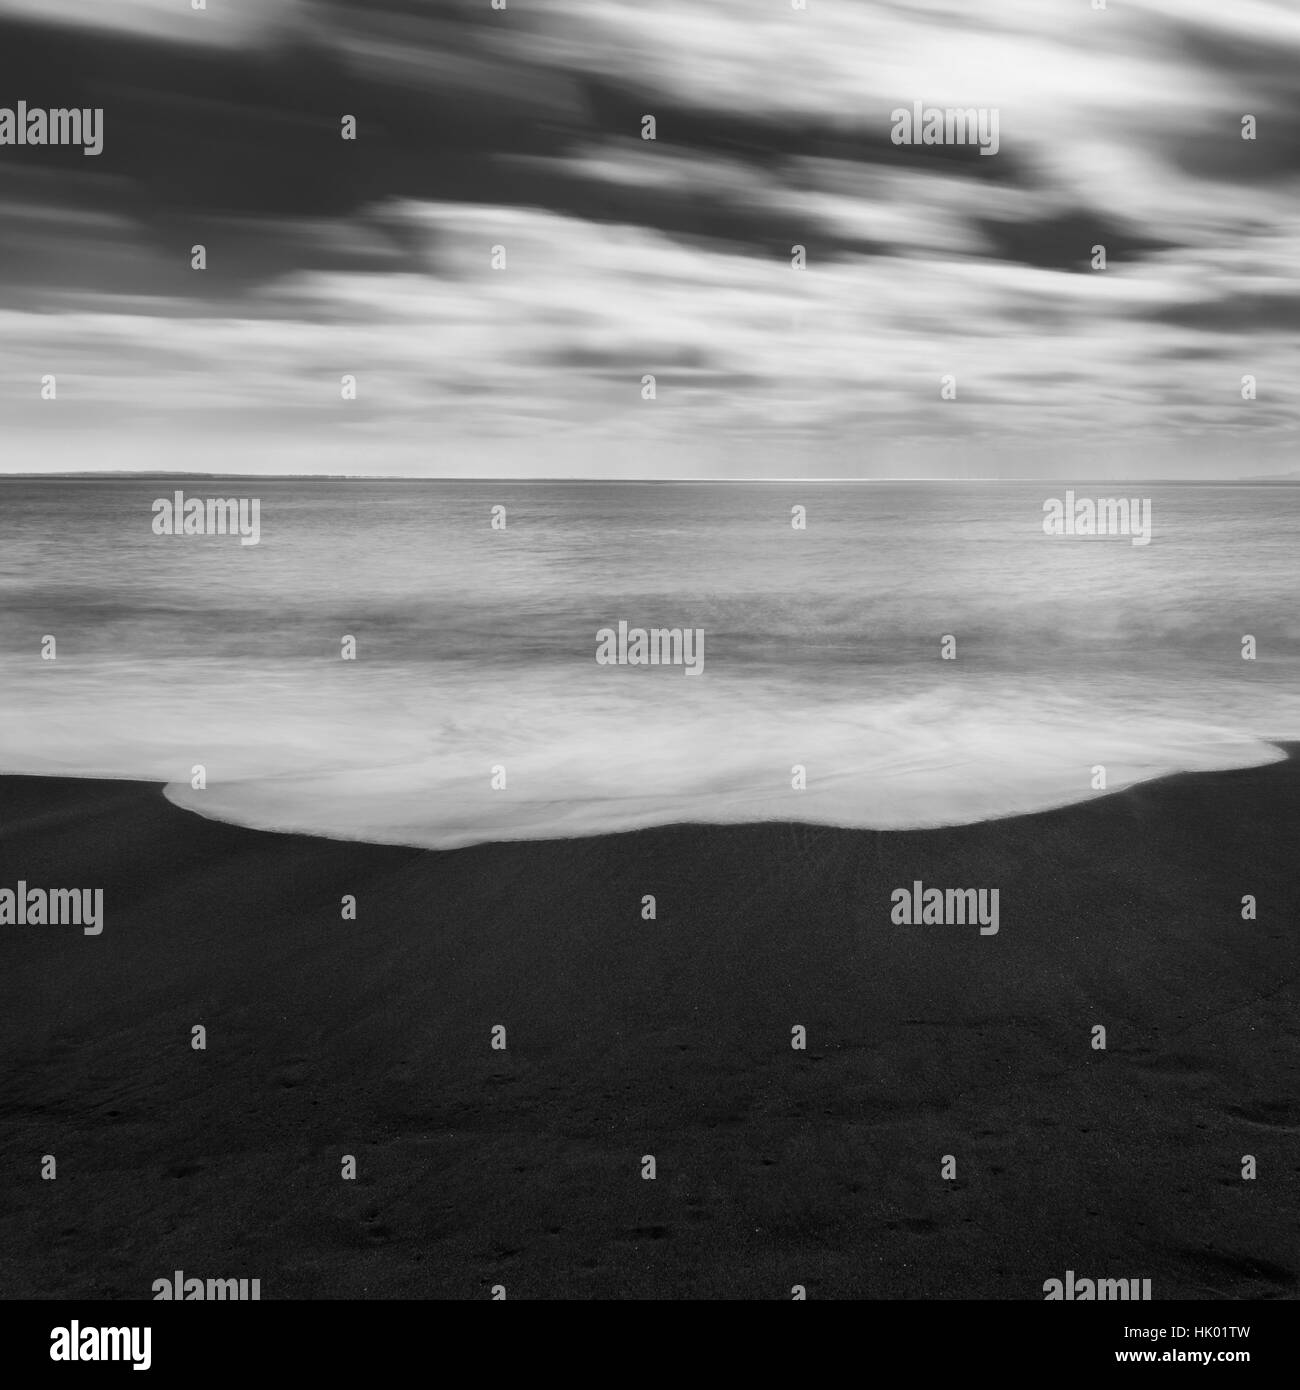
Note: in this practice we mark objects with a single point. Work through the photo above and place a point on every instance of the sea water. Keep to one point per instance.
(878, 654)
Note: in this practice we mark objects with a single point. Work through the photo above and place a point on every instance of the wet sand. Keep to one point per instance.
(671, 1038)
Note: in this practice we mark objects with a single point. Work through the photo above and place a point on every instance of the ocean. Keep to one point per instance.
(475, 709)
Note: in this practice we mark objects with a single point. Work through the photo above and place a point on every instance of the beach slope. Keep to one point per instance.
(671, 1038)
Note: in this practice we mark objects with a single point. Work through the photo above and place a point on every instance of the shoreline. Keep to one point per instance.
(178, 795)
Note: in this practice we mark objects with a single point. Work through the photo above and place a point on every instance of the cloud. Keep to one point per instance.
(521, 129)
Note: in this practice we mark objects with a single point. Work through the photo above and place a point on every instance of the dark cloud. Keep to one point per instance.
(1277, 312)
(523, 128)
(197, 131)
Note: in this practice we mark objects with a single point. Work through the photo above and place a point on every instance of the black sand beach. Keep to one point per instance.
(625, 1037)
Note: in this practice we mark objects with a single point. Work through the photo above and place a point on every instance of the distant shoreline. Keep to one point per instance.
(1053, 481)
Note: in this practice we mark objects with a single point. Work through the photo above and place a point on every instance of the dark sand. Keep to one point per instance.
(671, 1038)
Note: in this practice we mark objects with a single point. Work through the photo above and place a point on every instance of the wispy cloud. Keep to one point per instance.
(673, 258)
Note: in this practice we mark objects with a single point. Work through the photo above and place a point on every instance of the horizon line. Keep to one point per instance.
(83, 475)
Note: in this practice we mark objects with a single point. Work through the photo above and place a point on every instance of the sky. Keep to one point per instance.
(522, 128)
